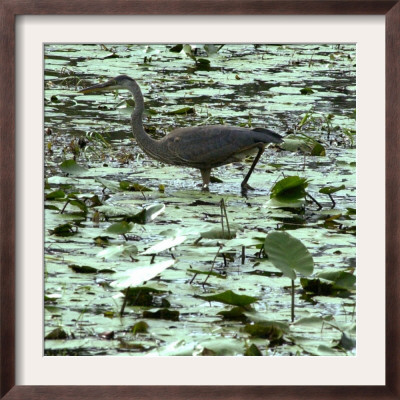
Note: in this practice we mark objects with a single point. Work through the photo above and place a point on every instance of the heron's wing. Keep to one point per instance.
(210, 146)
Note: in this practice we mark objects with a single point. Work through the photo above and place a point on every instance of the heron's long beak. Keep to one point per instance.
(100, 87)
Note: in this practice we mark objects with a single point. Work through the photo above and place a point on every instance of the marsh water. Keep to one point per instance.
(107, 203)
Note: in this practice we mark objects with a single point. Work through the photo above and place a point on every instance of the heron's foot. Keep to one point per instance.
(205, 188)
(246, 187)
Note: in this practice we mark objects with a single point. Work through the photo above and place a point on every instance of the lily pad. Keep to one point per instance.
(288, 254)
(229, 297)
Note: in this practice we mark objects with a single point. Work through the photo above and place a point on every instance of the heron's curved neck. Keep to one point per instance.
(145, 142)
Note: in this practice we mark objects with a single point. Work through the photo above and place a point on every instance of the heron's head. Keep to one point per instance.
(119, 82)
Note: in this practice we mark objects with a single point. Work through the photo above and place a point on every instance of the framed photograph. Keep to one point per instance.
(179, 212)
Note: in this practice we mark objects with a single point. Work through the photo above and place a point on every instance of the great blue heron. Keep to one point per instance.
(202, 147)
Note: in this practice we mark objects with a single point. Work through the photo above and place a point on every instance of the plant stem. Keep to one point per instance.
(292, 300)
(121, 313)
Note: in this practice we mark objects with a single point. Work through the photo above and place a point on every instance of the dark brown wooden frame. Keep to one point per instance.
(10, 9)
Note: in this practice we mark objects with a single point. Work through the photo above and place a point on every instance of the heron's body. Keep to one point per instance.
(201, 147)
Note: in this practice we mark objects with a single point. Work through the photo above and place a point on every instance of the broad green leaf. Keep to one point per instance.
(111, 185)
(57, 194)
(163, 313)
(288, 254)
(120, 228)
(133, 187)
(184, 110)
(72, 168)
(291, 188)
(83, 269)
(140, 274)
(253, 351)
(340, 279)
(306, 90)
(147, 214)
(218, 233)
(331, 189)
(118, 251)
(164, 245)
(231, 298)
(272, 331)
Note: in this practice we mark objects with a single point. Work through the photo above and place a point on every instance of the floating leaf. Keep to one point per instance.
(177, 48)
(218, 233)
(120, 228)
(184, 110)
(235, 314)
(273, 331)
(72, 168)
(56, 334)
(163, 313)
(346, 342)
(290, 188)
(83, 269)
(141, 295)
(141, 274)
(147, 214)
(341, 279)
(115, 210)
(63, 230)
(331, 189)
(133, 187)
(164, 245)
(111, 185)
(212, 273)
(57, 194)
(253, 351)
(306, 90)
(118, 251)
(140, 327)
(231, 298)
(288, 254)
(318, 150)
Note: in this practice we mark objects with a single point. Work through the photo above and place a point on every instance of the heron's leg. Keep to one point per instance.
(245, 186)
(205, 175)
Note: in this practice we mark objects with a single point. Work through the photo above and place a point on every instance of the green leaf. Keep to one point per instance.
(118, 251)
(231, 298)
(212, 273)
(184, 110)
(272, 331)
(253, 351)
(141, 295)
(140, 327)
(147, 214)
(163, 313)
(57, 194)
(340, 279)
(235, 314)
(218, 233)
(110, 185)
(72, 168)
(288, 254)
(164, 245)
(80, 204)
(56, 334)
(63, 230)
(318, 150)
(306, 90)
(291, 188)
(140, 274)
(133, 187)
(331, 189)
(83, 269)
(177, 48)
(120, 228)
